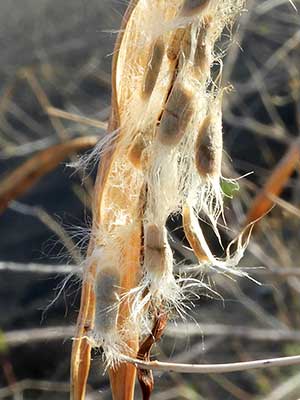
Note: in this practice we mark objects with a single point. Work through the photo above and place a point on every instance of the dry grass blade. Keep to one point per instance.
(26, 175)
(263, 202)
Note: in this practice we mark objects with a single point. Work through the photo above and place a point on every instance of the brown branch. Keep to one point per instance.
(26, 175)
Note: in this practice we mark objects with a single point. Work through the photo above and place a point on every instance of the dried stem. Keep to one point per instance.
(263, 201)
(26, 175)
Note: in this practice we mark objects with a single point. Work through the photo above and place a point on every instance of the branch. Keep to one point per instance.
(27, 174)
(39, 268)
(212, 368)
(56, 112)
(259, 334)
(21, 337)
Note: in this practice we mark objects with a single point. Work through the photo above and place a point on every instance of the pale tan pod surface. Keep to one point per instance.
(194, 7)
(106, 286)
(208, 148)
(176, 116)
(195, 239)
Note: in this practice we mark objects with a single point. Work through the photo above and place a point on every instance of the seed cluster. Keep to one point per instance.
(167, 156)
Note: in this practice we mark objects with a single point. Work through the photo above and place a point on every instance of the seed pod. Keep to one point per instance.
(155, 250)
(135, 153)
(107, 283)
(153, 68)
(208, 148)
(176, 116)
(193, 7)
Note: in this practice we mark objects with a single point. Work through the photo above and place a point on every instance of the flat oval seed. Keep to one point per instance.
(203, 54)
(155, 237)
(153, 68)
(155, 248)
(208, 149)
(175, 44)
(176, 116)
(106, 287)
(135, 152)
(193, 7)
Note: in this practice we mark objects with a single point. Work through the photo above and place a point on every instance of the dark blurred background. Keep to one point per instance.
(66, 48)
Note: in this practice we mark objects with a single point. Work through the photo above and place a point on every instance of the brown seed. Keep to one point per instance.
(208, 148)
(192, 7)
(176, 116)
(135, 153)
(153, 68)
(175, 44)
(203, 51)
(155, 248)
(107, 283)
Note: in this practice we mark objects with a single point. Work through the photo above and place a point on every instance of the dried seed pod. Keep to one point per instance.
(106, 286)
(176, 116)
(208, 148)
(193, 7)
(155, 248)
(136, 150)
(153, 68)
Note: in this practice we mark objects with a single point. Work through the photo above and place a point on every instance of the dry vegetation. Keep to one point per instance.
(47, 116)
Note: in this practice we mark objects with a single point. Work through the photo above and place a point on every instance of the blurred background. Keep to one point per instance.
(55, 57)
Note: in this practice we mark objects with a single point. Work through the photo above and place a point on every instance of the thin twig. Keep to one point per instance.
(26, 175)
(29, 336)
(213, 368)
(55, 112)
(243, 332)
(39, 268)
